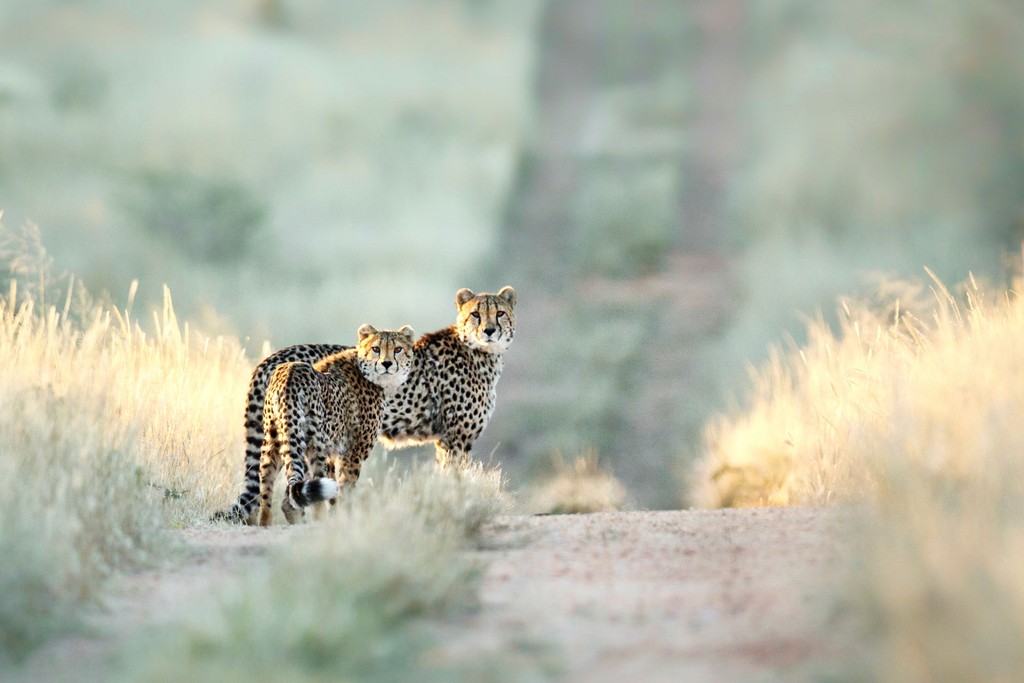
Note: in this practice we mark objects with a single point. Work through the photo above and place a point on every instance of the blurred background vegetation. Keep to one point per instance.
(669, 184)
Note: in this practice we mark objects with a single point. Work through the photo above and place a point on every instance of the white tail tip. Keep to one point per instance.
(328, 489)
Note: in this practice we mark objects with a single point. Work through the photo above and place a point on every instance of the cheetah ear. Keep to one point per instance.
(408, 332)
(508, 294)
(462, 296)
(365, 331)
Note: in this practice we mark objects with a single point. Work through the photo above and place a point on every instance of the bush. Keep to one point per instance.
(209, 219)
(78, 505)
(626, 217)
(875, 119)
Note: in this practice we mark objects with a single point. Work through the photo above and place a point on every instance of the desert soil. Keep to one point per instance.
(728, 595)
(725, 595)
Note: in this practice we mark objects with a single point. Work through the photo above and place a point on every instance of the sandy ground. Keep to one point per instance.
(725, 595)
(214, 557)
(731, 595)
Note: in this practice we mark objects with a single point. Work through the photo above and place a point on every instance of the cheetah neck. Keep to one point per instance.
(443, 347)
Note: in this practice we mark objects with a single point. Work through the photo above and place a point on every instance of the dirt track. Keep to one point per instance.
(730, 595)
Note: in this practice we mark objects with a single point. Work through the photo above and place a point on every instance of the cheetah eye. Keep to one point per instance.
(398, 350)
(375, 349)
(476, 315)
(500, 314)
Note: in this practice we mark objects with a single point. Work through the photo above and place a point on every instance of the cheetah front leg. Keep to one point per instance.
(348, 466)
(321, 468)
(452, 453)
(456, 439)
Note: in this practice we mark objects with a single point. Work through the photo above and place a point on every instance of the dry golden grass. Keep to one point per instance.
(917, 416)
(930, 384)
(112, 433)
(172, 399)
(790, 446)
(582, 485)
(109, 435)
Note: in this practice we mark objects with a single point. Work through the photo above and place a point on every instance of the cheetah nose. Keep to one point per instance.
(386, 364)
(489, 331)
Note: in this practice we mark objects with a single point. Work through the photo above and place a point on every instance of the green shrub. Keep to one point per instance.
(210, 219)
(76, 509)
(626, 217)
(874, 119)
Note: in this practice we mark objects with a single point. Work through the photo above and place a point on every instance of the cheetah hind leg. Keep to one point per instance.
(332, 470)
(303, 455)
(269, 463)
(295, 467)
(321, 490)
(293, 515)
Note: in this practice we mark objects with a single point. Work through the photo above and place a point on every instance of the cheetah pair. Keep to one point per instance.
(317, 409)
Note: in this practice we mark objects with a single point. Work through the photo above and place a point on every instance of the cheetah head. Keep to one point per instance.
(486, 322)
(385, 356)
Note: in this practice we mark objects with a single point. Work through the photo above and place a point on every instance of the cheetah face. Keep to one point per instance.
(486, 322)
(385, 356)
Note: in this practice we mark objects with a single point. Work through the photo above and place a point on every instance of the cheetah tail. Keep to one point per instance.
(305, 493)
(232, 514)
(242, 511)
(236, 514)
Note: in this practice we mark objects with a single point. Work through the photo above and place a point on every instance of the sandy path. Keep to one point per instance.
(730, 595)
(214, 556)
(642, 596)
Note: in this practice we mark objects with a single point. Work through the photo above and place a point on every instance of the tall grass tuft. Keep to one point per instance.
(351, 598)
(76, 504)
(791, 447)
(106, 438)
(922, 382)
(579, 486)
(917, 415)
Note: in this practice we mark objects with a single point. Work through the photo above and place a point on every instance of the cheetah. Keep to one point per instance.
(255, 396)
(331, 410)
(450, 394)
(448, 398)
